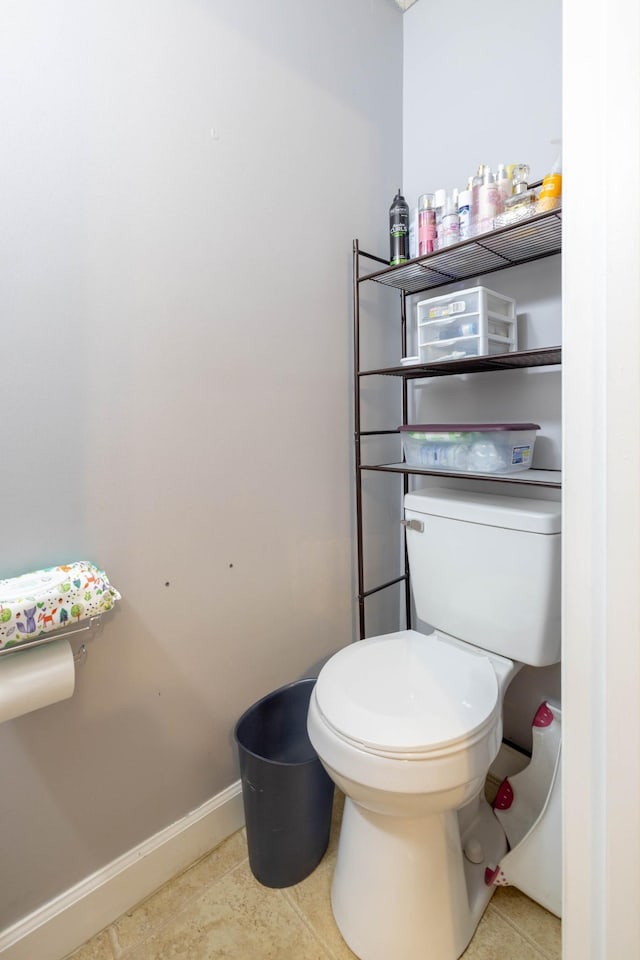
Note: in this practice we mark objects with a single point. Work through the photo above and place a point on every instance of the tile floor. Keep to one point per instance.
(216, 909)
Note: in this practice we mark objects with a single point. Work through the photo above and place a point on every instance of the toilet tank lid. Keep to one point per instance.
(495, 510)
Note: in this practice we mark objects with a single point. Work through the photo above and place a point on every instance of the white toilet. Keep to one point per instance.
(407, 724)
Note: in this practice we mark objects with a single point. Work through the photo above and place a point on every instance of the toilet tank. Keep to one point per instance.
(485, 568)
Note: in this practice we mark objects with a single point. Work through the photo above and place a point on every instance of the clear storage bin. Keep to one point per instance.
(461, 347)
(467, 323)
(470, 447)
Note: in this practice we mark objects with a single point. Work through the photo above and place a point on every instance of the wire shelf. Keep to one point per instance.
(517, 360)
(532, 239)
(528, 478)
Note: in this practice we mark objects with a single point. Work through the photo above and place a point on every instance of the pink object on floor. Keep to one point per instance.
(544, 716)
(495, 877)
(504, 796)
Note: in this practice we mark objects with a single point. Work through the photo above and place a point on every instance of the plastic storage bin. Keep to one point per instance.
(460, 347)
(470, 447)
(287, 794)
(467, 323)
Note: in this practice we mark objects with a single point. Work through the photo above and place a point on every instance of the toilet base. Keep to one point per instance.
(403, 888)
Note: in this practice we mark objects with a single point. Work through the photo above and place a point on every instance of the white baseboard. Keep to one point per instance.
(63, 924)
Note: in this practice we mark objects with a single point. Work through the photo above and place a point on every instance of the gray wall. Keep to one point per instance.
(181, 181)
(482, 84)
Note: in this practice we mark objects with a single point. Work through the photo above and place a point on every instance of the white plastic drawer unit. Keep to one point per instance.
(470, 447)
(467, 323)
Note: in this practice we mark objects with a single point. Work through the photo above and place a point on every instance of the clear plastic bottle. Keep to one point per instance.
(504, 184)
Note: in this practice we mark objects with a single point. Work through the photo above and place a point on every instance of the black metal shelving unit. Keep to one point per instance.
(532, 239)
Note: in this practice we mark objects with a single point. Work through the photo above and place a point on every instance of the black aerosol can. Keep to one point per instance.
(399, 229)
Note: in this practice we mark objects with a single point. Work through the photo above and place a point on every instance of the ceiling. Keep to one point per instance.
(405, 4)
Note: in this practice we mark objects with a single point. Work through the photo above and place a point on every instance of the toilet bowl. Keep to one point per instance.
(407, 724)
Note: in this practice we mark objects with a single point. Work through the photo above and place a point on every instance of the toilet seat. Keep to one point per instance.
(408, 695)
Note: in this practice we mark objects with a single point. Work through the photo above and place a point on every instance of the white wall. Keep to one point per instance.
(484, 85)
(180, 183)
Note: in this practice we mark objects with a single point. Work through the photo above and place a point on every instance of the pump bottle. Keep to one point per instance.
(488, 202)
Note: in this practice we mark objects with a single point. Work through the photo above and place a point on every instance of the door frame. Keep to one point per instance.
(601, 488)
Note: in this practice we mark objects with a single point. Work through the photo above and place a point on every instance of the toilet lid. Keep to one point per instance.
(406, 692)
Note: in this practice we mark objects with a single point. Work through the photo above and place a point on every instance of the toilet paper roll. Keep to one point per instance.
(30, 679)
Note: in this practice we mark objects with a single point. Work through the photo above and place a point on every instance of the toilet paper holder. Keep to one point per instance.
(93, 623)
(52, 604)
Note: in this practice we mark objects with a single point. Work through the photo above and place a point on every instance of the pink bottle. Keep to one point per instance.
(426, 224)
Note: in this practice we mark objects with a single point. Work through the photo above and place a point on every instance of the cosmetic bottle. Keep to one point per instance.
(450, 222)
(476, 183)
(440, 198)
(551, 191)
(399, 230)
(440, 202)
(504, 184)
(488, 202)
(464, 213)
(426, 224)
(522, 203)
(413, 233)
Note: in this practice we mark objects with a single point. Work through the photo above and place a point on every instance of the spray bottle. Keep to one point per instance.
(399, 229)
(551, 190)
(426, 224)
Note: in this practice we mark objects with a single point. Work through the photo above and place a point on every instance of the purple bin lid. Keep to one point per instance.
(466, 427)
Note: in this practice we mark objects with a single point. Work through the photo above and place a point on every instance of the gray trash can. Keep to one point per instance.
(286, 791)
